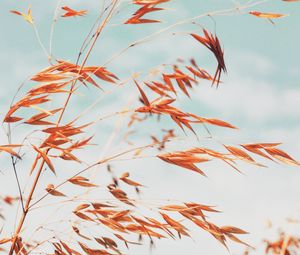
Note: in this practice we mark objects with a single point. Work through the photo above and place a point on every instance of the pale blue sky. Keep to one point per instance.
(260, 94)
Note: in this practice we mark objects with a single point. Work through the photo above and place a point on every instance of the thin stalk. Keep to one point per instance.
(18, 182)
(40, 42)
(55, 17)
(87, 40)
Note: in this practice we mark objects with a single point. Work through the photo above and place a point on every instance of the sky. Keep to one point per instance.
(259, 94)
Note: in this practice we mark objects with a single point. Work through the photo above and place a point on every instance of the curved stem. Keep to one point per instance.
(18, 182)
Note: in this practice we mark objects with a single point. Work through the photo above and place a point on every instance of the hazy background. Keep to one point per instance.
(260, 95)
